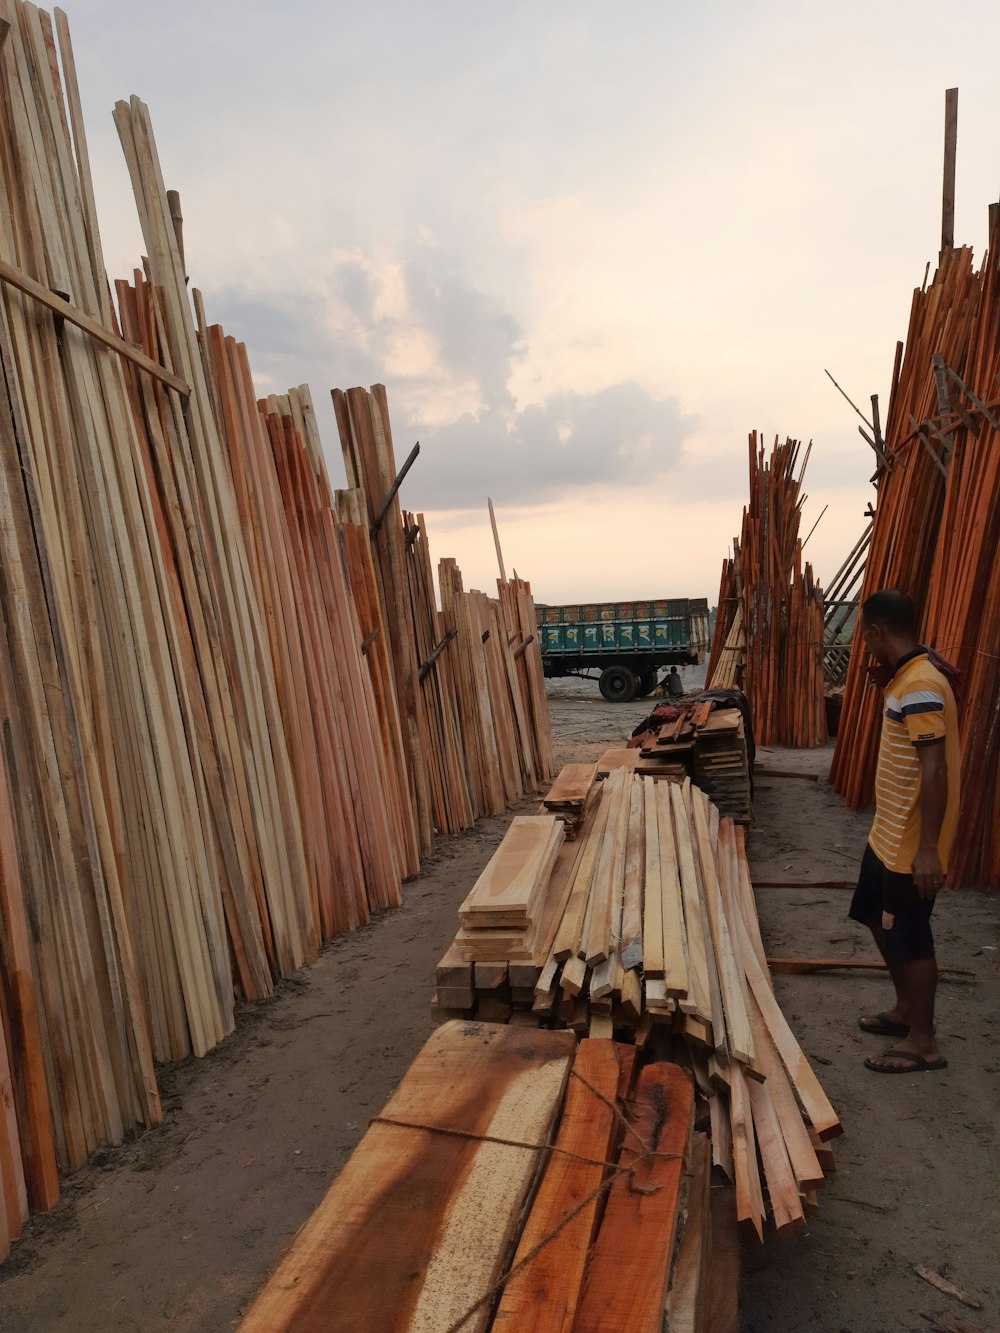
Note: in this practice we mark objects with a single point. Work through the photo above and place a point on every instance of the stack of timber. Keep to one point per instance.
(205, 771)
(468, 679)
(573, 795)
(706, 741)
(654, 938)
(769, 630)
(936, 536)
(519, 1195)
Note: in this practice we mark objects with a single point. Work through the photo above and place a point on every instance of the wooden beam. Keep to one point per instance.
(376, 522)
(80, 320)
(950, 156)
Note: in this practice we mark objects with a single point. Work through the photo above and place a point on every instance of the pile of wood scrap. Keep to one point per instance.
(215, 753)
(527, 1182)
(769, 630)
(936, 535)
(705, 741)
(653, 936)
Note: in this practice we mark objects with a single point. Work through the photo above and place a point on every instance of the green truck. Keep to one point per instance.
(626, 642)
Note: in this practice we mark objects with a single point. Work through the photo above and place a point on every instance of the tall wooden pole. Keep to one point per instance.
(950, 148)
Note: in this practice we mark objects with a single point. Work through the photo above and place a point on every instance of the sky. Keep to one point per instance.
(586, 246)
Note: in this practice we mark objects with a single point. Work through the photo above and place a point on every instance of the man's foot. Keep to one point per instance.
(884, 1025)
(896, 1060)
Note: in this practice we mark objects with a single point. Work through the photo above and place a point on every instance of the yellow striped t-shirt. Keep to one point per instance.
(919, 710)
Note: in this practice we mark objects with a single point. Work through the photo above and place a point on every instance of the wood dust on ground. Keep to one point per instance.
(178, 1229)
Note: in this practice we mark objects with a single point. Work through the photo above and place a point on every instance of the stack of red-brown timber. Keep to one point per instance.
(232, 720)
(768, 635)
(936, 535)
(527, 1183)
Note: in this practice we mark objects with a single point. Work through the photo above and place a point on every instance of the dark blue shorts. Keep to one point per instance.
(890, 900)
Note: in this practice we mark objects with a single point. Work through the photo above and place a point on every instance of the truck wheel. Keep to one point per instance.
(618, 684)
(647, 683)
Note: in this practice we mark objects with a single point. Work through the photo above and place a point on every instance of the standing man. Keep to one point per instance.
(916, 811)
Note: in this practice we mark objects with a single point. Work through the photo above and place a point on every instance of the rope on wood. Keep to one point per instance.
(615, 1169)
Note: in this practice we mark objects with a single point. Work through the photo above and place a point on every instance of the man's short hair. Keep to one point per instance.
(891, 609)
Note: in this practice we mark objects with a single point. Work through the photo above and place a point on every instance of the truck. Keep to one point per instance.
(626, 642)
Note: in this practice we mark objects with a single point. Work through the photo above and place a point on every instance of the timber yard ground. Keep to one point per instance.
(178, 1229)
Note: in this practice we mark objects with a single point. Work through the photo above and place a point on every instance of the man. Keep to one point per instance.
(675, 686)
(916, 811)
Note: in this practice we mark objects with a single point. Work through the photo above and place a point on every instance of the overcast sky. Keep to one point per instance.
(586, 246)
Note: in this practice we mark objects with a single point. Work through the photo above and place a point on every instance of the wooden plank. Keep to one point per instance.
(432, 1193)
(730, 975)
(568, 936)
(782, 1188)
(676, 973)
(595, 944)
(634, 875)
(627, 1280)
(508, 889)
(81, 320)
(653, 932)
(687, 1297)
(749, 1197)
(807, 1085)
(572, 786)
(698, 1001)
(722, 1295)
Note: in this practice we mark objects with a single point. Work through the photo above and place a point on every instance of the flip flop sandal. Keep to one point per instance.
(880, 1026)
(915, 1063)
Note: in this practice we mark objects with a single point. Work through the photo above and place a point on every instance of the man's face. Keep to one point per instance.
(873, 637)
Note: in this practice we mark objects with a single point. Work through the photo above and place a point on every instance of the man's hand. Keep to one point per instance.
(928, 876)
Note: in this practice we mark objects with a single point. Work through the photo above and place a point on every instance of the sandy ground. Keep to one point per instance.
(178, 1229)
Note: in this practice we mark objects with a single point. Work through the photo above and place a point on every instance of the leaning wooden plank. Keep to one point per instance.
(795, 1132)
(686, 1297)
(749, 1198)
(627, 1279)
(447, 1204)
(507, 891)
(73, 315)
(814, 1100)
(782, 1188)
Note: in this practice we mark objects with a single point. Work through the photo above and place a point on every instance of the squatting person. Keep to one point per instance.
(916, 811)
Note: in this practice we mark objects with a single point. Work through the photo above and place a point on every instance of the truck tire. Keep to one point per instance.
(647, 683)
(618, 684)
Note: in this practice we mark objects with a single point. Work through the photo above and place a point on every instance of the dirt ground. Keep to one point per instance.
(178, 1229)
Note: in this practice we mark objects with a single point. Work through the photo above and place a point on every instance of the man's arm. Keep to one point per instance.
(927, 874)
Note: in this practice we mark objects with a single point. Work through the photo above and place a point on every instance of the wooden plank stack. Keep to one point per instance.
(936, 536)
(573, 795)
(706, 741)
(468, 677)
(209, 726)
(769, 630)
(491, 1228)
(653, 938)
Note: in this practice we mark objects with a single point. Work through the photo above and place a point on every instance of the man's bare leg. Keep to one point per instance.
(901, 1010)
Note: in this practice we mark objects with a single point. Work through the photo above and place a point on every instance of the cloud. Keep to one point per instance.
(619, 437)
(446, 351)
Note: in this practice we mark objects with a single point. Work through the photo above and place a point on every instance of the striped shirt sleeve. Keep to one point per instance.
(922, 712)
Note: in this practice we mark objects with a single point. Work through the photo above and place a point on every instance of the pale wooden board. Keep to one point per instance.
(572, 786)
(517, 872)
(417, 1224)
